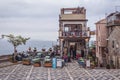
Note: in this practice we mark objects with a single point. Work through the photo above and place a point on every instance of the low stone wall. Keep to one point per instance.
(4, 58)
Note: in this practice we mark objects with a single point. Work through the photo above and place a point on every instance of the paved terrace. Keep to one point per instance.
(72, 71)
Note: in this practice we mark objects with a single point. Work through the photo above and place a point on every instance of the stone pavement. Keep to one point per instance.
(72, 71)
(2, 64)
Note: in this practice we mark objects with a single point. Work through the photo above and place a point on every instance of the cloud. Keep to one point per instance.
(28, 25)
(24, 9)
(39, 18)
(44, 36)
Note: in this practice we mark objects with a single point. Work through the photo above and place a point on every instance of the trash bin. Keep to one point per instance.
(54, 63)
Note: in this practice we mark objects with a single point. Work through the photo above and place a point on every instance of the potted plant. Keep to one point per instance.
(43, 49)
(36, 62)
(92, 64)
(108, 66)
(47, 62)
(113, 66)
(26, 61)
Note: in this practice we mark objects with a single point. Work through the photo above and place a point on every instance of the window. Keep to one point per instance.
(66, 29)
(113, 44)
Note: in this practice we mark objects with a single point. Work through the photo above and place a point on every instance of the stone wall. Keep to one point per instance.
(114, 46)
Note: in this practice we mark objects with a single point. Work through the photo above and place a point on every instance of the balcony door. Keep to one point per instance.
(73, 29)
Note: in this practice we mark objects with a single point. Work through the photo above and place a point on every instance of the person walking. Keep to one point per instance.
(82, 53)
(74, 53)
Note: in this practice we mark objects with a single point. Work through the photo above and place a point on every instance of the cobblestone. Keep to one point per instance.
(72, 71)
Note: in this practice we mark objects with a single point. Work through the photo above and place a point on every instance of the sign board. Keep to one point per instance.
(87, 63)
(59, 62)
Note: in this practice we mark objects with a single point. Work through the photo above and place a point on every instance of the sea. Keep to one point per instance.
(7, 48)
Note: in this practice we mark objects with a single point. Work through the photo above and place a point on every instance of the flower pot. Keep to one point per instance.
(48, 64)
(26, 62)
(36, 64)
(107, 66)
(92, 66)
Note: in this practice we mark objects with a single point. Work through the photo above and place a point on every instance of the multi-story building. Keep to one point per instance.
(101, 42)
(73, 30)
(113, 38)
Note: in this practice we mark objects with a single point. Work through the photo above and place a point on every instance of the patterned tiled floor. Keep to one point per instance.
(72, 71)
(59, 74)
(39, 73)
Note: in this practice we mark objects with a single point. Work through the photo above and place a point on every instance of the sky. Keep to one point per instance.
(39, 19)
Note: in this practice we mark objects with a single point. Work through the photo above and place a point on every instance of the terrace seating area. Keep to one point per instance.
(38, 59)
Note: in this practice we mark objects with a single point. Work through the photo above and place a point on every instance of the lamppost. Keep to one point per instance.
(61, 46)
(107, 51)
(87, 46)
(86, 49)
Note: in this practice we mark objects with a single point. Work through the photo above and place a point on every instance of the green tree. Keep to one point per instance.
(16, 41)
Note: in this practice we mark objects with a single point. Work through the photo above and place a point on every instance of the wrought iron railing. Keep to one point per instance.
(75, 34)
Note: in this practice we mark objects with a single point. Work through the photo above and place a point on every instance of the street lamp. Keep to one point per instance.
(61, 45)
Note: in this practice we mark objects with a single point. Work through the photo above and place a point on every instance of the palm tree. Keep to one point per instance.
(16, 41)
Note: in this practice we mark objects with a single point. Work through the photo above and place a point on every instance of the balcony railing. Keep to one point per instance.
(114, 22)
(76, 34)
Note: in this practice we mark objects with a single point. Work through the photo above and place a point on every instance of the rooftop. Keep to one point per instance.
(73, 14)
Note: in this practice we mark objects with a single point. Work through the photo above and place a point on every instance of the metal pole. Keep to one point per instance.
(86, 47)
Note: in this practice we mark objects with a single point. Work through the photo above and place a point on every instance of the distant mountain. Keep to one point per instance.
(7, 48)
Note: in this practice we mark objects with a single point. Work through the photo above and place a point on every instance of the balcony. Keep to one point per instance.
(75, 34)
(114, 23)
(113, 19)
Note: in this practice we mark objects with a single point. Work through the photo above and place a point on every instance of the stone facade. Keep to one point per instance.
(73, 30)
(108, 40)
(101, 36)
(114, 46)
(113, 37)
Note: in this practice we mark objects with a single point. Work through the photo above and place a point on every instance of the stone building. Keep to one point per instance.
(101, 43)
(73, 30)
(113, 38)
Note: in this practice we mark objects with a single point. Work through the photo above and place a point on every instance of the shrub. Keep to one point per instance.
(108, 66)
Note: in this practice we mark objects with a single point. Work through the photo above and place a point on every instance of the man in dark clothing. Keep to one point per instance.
(74, 53)
(71, 51)
(82, 53)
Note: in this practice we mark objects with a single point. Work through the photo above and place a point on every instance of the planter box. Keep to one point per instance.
(92, 67)
(26, 62)
(48, 64)
(36, 64)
